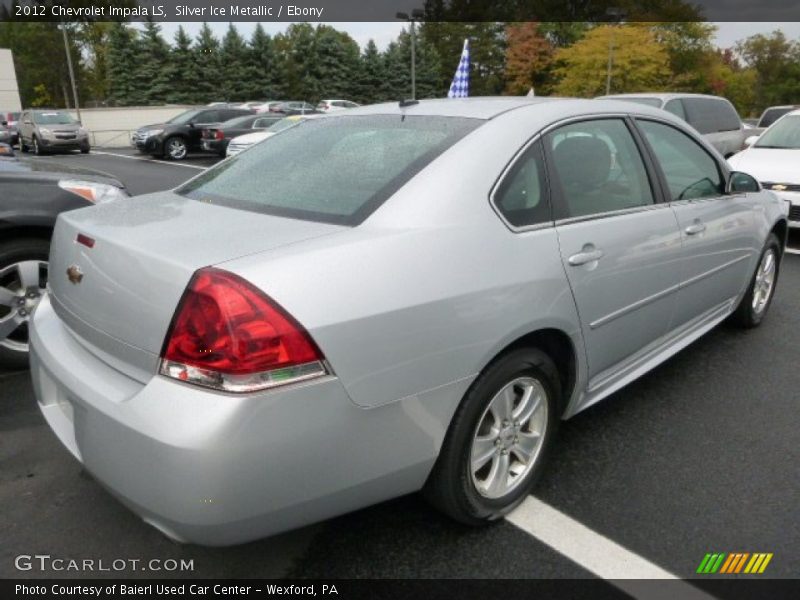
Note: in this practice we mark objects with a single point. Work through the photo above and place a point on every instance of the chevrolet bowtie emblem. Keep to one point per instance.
(778, 187)
(74, 274)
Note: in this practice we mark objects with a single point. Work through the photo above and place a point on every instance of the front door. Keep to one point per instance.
(620, 247)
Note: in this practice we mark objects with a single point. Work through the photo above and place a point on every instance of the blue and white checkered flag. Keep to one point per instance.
(459, 88)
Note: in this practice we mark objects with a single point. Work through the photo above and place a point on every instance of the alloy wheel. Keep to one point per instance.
(176, 149)
(22, 286)
(509, 437)
(765, 281)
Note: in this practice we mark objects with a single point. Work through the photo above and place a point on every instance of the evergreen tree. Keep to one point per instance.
(261, 67)
(335, 68)
(396, 84)
(233, 58)
(181, 70)
(370, 77)
(208, 68)
(125, 88)
(296, 55)
(153, 65)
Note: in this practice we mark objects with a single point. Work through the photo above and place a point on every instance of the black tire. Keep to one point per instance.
(23, 147)
(450, 486)
(171, 140)
(745, 315)
(85, 149)
(11, 252)
(37, 148)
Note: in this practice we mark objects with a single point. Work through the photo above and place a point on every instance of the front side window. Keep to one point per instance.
(334, 170)
(598, 167)
(690, 171)
(521, 196)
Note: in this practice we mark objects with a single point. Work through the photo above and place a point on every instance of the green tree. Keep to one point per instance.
(639, 62)
(181, 70)
(335, 68)
(261, 68)
(125, 87)
(153, 59)
(296, 55)
(208, 68)
(776, 62)
(529, 57)
(233, 58)
(93, 38)
(370, 77)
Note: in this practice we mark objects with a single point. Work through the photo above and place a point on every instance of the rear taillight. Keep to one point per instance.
(228, 335)
(219, 134)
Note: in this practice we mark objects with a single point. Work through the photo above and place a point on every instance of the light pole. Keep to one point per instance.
(416, 15)
(617, 14)
(71, 71)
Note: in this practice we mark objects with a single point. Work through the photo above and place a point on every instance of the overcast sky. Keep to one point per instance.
(384, 32)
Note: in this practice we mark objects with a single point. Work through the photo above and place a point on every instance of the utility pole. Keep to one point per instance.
(616, 15)
(71, 70)
(416, 15)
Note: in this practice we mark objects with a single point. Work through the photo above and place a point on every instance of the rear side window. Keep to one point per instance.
(690, 171)
(334, 170)
(521, 196)
(711, 115)
(598, 167)
(773, 114)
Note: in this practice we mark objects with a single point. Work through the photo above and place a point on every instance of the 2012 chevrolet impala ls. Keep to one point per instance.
(407, 296)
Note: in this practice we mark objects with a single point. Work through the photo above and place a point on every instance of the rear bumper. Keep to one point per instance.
(221, 469)
(216, 146)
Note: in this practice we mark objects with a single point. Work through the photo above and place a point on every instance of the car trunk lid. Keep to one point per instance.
(117, 287)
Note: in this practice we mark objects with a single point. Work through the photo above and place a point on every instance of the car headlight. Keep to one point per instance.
(44, 131)
(152, 132)
(83, 132)
(95, 193)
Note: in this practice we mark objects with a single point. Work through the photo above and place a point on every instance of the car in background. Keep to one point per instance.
(10, 119)
(182, 134)
(311, 327)
(243, 142)
(216, 139)
(713, 117)
(266, 107)
(773, 159)
(769, 116)
(43, 131)
(294, 108)
(32, 195)
(328, 106)
(7, 135)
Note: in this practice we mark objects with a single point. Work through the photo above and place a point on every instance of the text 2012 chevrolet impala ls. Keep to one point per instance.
(402, 297)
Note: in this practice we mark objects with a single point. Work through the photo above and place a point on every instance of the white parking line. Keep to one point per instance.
(153, 160)
(598, 554)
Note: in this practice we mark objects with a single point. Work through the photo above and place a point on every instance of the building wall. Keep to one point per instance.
(9, 90)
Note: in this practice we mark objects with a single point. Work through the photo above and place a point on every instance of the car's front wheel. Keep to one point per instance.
(23, 280)
(175, 148)
(756, 301)
(498, 439)
(37, 148)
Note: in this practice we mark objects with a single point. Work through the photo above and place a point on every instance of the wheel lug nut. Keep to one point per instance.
(23, 313)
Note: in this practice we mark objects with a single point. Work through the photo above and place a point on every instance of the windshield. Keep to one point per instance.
(784, 134)
(184, 117)
(240, 122)
(283, 124)
(53, 118)
(334, 170)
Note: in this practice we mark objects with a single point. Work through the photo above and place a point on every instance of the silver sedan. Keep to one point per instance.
(404, 297)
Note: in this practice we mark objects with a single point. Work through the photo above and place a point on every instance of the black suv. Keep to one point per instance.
(182, 134)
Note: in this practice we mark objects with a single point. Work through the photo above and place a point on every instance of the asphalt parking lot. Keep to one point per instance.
(701, 455)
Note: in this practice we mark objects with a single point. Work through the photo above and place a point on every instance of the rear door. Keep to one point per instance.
(202, 121)
(619, 244)
(717, 230)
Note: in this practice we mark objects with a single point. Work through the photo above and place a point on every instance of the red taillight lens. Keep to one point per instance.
(219, 134)
(228, 335)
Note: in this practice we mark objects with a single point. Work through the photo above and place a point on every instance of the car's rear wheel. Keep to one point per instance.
(498, 439)
(85, 149)
(756, 301)
(175, 148)
(23, 280)
(23, 147)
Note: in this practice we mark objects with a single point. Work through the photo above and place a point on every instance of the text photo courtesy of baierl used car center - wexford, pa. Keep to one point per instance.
(400, 299)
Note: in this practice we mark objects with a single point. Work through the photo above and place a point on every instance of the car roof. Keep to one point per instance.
(661, 95)
(490, 107)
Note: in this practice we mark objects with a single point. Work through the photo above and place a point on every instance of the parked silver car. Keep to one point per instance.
(396, 298)
(43, 131)
(713, 116)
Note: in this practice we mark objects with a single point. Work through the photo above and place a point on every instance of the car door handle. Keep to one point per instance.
(695, 228)
(585, 256)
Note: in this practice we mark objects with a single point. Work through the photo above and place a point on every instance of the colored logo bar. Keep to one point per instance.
(734, 562)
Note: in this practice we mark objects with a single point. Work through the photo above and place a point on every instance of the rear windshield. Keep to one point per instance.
(335, 170)
(773, 114)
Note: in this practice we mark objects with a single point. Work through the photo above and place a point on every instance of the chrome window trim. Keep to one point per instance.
(611, 213)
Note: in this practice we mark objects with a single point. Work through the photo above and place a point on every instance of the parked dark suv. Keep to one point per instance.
(182, 134)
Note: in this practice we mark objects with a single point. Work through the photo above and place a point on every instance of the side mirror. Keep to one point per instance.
(751, 140)
(191, 124)
(739, 183)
